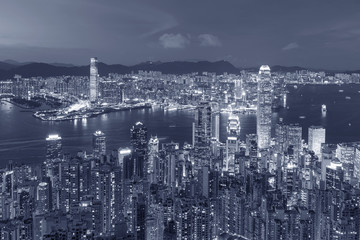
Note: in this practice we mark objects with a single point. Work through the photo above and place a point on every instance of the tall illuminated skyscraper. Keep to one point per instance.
(139, 143)
(203, 123)
(42, 198)
(263, 120)
(53, 147)
(202, 133)
(94, 79)
(99, 144)
(316, 138)
(232, 142)
(238, 89)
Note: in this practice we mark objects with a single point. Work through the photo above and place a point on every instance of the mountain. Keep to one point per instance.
(177, 67)
(9, 68)
(6, 66)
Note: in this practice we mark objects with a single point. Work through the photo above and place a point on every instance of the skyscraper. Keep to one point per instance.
(316, 138)
(294, 138)
(94, 83)
(203, 123)
(139, 143)
(263, 120)
(238, 89)
(53, 147)
(232, 142)
(202, 134)
(43, 198)
(99, 144)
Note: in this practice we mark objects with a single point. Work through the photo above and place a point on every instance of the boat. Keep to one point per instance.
(340, 90)
(323, 108)
(295, 86)
(347, 97)
(302, 117)
(172, 125)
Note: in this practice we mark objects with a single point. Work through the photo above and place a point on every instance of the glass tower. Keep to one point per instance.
(263, 119)
(94, 85)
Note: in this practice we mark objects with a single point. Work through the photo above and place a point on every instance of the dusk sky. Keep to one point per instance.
(307, 33)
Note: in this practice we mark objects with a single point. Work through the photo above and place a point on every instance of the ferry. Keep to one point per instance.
(323, 108)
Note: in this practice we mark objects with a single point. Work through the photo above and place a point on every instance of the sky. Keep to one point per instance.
(317, 34)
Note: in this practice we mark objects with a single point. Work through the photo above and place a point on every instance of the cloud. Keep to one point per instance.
(171, 40)
(290, 46)
(209, 40)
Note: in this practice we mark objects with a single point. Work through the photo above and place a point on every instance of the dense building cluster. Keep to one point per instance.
(271, 185)
(235, 91)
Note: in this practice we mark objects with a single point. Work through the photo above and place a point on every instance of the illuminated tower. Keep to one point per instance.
(152, 166)
(94, 83)
(99, 144)
(232, 142)
(53, 147)
(316, 138)
(263, 120)
(139, 143)
(202, 134)
(238, 91)
(203, 123)
(42, 198)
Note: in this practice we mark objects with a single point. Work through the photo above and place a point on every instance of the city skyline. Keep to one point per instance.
(261, 141)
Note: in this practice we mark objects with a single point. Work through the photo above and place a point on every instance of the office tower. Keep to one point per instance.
(203, 123)
(202, 134)
(357, 163)
(53, 147)
(294, 138)
(203, 178)
(238, 89)
(94, 79)
(153, 161)
(232, 142)
(122, 153)
(138, 138)
(139, 143)
(99, 144)
(334, 175)
(345, 152)
(8, 184)
(280, 137)
(139, 217)
(42, 198)
(327, 156)
(263, 115)
(316, 137)
(215, 132)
